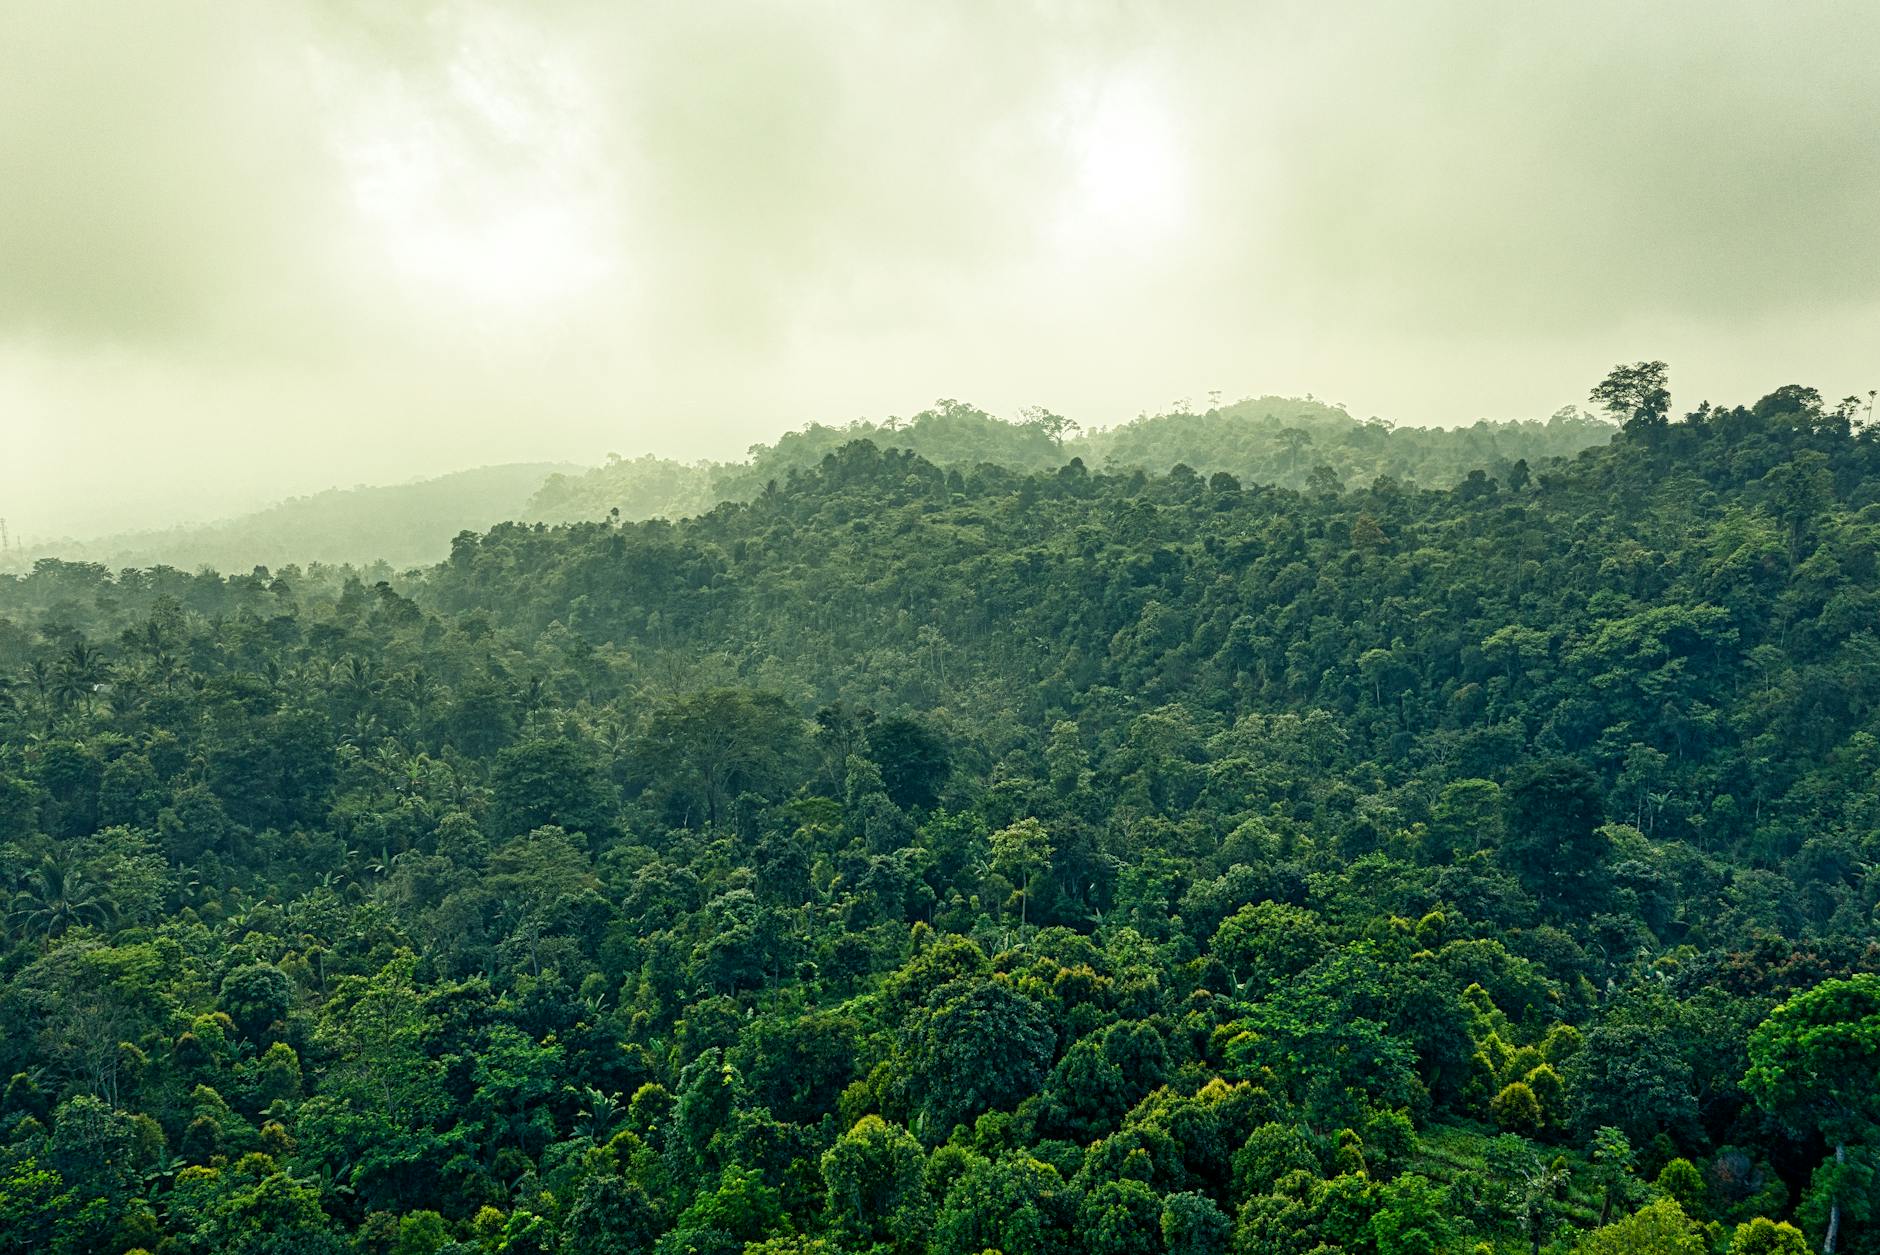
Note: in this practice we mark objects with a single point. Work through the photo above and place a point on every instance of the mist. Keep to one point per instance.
(249, 251)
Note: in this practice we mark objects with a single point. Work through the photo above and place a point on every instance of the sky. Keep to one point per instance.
(251, 250)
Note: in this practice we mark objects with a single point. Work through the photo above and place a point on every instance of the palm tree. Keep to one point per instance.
(56, 898)
(38, 677)
(79, 674)
(599, 1113)
(358, 681)
(127, 697)
(164, 665)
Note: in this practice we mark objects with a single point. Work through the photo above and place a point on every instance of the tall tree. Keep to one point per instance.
(1019, 852)
(1636, 395)
(1815, 1061)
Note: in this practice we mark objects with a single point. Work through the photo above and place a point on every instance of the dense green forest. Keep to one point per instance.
(935, 857)
(1272, 440)
(393, 527)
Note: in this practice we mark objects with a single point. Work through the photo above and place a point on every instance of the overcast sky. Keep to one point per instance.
(253, 249)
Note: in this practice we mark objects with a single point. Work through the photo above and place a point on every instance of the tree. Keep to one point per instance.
(101, 1152)
(557, 783)
(1412, 1218)
(1659, 1229)
(38, 1211)
(742, 1206)
(423, 1232)
(703, 751)
(1813, 1061)
(1086, 1095)
(19, 808)
(512, 1073)
(54, 898)
(252, 1208)
(373, 1124)
(1613, 1164)
(611, 1216)
(1017, 1203)
(1325, 1037)
(1271, 1152)
(1635, 395)
(1265, 943)
(914, 761)
(256, 995)
(1295, 440)
(984, 1047)
(1120, 1218)
(1554, 841)
(81, 671)
(1516, 1110)
(1680, 1181)
(1799, 492)
(1020, 852)
(1054, 427)
(1193, 1224)
(876, 1193)
(1763, 1236)
(1631, 1077)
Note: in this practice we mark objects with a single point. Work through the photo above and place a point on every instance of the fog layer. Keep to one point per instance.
(249, 250)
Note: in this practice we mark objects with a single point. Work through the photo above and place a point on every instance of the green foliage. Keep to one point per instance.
(1272, 1152)
(256, 996)
(981, 1047)
(1814, 1061)
(1267, 943)
(1635, 395)
(1020, 852)
(875, 1176)
(541, 784)
(1680, 1181)
(1412, 1218)
(1193, 1225)
(1516, 1109)
(1763, 1236)
(1816, 1055)
(1658, 1229)
(1013, 1204)
(977, 851)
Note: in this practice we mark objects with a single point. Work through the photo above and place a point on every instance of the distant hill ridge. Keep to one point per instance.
(1278, 440)
(400, 525)
(1268, 440)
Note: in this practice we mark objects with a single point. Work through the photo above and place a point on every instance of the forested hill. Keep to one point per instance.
(918, 859)
(391, 525)
(1274, 440)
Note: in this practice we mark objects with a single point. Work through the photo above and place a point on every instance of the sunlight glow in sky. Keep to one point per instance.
(259, 250)
(1129, 187)
(489, 192)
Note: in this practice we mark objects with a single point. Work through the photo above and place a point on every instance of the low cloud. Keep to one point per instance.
(253, 249)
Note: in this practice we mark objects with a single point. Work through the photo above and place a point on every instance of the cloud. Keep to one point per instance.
(251, 249)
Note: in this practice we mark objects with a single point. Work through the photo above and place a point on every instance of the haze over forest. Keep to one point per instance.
(254, 252)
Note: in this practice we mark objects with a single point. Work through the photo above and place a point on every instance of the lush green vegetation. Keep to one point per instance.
(391, 528)
(1269, 440)
(922, 858)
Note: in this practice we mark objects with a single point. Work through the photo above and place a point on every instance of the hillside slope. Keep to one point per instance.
(1271, 440)
(401, 525)
(936, 860)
